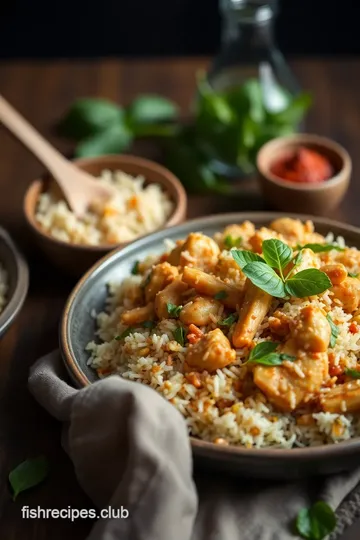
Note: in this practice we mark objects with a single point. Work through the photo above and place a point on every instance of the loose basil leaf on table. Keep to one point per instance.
(276, 253)
(113, 140)
(148, 109)
(307, 283)
(264, 277)
(244, 257)
(28, 474)
(316, 522)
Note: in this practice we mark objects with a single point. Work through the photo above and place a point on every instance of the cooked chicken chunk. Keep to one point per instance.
(253, 310)
(213, 351)
(311, 330)
(160, 276)
(342, 398)
(287, 386)
(231, 295)
(347, 294)
(337, 273)
(172, 294)
(198, 250)
(199, 311)
(262, 234)
(236, 232)
(138, 315)
(228, 270)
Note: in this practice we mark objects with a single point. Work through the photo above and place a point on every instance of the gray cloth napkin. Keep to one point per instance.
(130, 448)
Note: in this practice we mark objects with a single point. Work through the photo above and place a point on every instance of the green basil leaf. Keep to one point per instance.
(28, 474)
(316, 522)
(351, 274)
(124, 334)
(265, 278)
(262, 349)
(88, 116)
(179, 335)
(220, 295)
(294, 112)
(354, 373)
(135, 268)
(149, 324)
(272, 359)
(113, 140)
(228, 321)
(334, 331)
(297, 259)
(151, 108)
(276, 253)
(307, 283)
(244, 257)
(321, 248)
(230, 242)
(173, 310)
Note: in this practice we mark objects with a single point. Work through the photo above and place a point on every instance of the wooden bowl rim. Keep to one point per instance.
(180, 198)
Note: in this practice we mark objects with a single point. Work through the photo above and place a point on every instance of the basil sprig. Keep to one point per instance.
(267, 272)
(228, 321)
(334, 331)
(354, 373)
(316, 522)
(321, 248)
(179, 335)
(264, 353)
(173, 310)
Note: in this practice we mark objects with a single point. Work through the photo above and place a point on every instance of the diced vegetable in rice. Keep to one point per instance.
(136, 210)
(292, 379)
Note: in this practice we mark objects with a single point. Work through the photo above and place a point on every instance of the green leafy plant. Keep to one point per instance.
(316, 522)
(226, 126)
(319, 248)
(28, 474)
(354, 373)
(179, 335)
(230, 242)
(229, 320)
(173, 310)
(334, 331)
(264, 353)
(267, 272)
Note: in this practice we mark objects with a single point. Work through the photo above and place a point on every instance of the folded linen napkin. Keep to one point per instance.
(130, 448)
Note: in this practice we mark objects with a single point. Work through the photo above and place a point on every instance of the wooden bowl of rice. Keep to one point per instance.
(149, 198)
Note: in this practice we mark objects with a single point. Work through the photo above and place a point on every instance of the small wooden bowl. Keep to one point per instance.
(75, 259)
(316, 199)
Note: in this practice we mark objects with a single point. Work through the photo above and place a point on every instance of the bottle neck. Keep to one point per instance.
(251, 20)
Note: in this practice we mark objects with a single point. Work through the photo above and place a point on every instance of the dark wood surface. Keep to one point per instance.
(41, 92)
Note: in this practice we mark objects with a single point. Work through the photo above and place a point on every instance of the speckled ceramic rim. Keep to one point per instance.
(204, 448)
(17, 299)
(264, 159)
(176, 217)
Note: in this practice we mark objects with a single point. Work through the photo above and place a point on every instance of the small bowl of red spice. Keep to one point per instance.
(304, 172)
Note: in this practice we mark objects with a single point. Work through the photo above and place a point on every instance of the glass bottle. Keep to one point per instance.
(248, 50)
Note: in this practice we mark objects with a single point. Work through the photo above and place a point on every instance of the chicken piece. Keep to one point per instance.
(172, 294)
(308, 260)
(262, 234)
(174, 255)
(347, 294)
(213, 351)
(253, 310)
(210, 286)
(133, 295)
(243, 232)
(311, 330)
(199, 311)
(198, 250)
(138, 315)
(337, 273)
(160, 276)
(228, 270)
(293, 230)
(291, 384)
(279, 323)
(342, 398)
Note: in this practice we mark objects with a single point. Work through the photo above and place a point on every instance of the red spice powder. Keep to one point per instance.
(303, 165)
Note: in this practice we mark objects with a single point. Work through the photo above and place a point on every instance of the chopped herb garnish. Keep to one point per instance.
(146, 280)
(124, 334)
(334, 331)
(220, 295)
(28, 474)
(263, 353)
(179, 335)
(354, 373)
(173, 310)
(149, 324)
(231, 242)
(268, 275)
(351, 274)
(135, 268)
(228, 321)
(316, 522)
(321, 248)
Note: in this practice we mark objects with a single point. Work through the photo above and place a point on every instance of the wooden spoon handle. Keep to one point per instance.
(23, 131)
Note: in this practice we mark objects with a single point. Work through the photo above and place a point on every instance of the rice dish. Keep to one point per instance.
(135, 210)
(243, 366)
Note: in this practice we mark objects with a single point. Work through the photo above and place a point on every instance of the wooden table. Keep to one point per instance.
(42, 91)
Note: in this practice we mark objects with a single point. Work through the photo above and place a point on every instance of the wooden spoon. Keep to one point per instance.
(80, 189)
